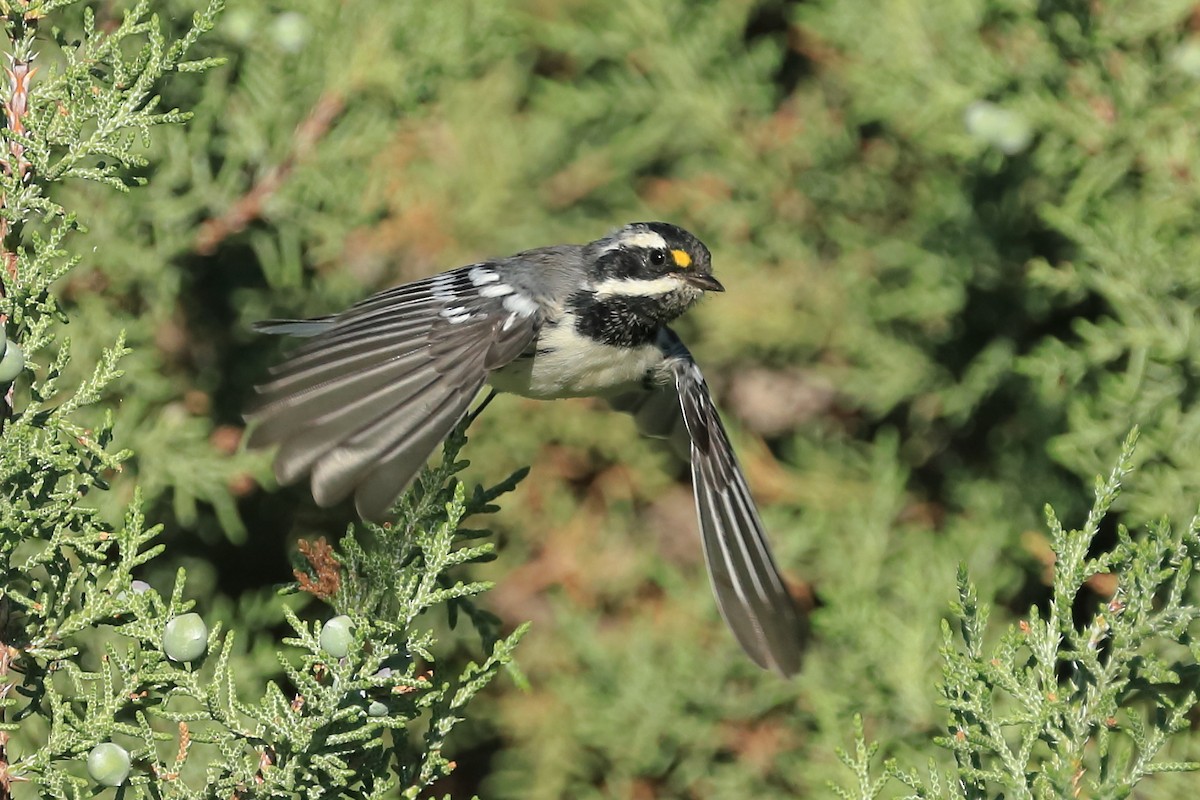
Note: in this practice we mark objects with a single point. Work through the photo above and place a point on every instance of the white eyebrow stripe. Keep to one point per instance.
(633, 287)
(647, 239)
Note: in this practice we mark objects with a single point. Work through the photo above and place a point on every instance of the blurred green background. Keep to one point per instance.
(959, 239)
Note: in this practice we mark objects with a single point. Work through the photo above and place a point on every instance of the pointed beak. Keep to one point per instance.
(701, 281)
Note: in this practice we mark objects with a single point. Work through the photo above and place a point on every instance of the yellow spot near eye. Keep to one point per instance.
(682, 259)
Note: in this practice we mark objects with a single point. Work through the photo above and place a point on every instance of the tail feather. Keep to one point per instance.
(294, 327)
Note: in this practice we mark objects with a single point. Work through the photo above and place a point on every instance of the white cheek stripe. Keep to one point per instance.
(631, 287)
(647, 239)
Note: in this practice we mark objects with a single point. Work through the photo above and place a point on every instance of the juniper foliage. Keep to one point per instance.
(958, 239)
(99, 685)
(1056, 708)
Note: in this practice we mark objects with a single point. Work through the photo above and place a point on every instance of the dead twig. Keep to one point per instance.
(250, 206)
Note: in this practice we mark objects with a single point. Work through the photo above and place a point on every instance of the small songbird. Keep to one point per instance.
(363, 403)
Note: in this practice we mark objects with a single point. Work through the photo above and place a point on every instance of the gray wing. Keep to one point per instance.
(750, 592)
(363, 403)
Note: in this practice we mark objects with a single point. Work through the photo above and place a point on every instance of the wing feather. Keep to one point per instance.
(313, 432)
(398, 432)
(300, 366)
(750, 593)
(361, 405)
(398, 467)
(324, 398)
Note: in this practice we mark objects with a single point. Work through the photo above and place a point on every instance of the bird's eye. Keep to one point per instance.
(658, 258)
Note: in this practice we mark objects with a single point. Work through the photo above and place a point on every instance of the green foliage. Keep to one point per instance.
(1057, 708)
(80, 121)
(325, 734)
(959, 240)
(1049, 289)
(105, 681)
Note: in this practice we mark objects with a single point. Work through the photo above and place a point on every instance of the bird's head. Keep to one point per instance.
(653, 261)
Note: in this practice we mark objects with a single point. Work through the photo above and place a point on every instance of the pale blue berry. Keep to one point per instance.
(11, 363)
(185, 638)
(108, 764)
(337, 636)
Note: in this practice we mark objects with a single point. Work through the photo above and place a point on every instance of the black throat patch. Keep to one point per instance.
(622, 321)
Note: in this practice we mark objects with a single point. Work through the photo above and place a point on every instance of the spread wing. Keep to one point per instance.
(363, 403)
(750, 592)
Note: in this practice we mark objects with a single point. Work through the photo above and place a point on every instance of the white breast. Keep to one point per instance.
(570, 365)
